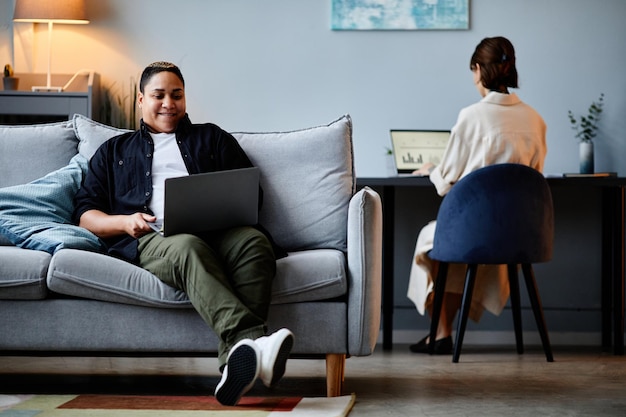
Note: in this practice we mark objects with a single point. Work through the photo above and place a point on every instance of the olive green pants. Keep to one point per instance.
(227, 276)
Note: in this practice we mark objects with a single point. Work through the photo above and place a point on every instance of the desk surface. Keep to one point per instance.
(416, 181)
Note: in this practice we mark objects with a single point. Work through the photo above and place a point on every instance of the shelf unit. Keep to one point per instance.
(24, 106)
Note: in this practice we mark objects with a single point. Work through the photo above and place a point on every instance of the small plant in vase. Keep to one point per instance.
(9, 82)
(586, 128)
(389, 163)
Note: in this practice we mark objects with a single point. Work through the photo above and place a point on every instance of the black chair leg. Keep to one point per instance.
(535, 301)
(516, 307)
(465, 308)
(440, 288)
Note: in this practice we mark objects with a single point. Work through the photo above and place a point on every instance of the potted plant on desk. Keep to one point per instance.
(9, 81)
(586, 127)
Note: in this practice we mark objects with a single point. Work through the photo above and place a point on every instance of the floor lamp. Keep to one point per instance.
(50, 12)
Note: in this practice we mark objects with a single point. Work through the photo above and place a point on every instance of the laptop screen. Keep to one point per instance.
(413, 148)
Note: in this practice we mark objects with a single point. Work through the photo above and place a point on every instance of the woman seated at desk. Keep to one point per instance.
(500, 128)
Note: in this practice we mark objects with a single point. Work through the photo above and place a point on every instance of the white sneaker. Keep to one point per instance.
(275, 350)
(242, 369)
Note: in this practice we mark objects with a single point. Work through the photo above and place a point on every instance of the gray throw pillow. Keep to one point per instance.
(92, 134)
(31, 151)
(308, 179)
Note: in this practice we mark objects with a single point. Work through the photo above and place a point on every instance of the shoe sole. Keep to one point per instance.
(243, 370)
(280, 364)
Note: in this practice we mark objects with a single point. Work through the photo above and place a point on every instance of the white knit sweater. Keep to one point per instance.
(498, 129)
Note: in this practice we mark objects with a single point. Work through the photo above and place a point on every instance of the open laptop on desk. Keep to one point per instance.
(211, 201)
(413, 148)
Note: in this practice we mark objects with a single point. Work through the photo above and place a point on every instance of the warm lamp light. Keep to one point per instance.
(50, 12)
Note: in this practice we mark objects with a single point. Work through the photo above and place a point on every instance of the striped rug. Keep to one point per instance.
(86, 405)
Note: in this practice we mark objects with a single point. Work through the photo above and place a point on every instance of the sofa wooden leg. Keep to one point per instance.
(335, 368)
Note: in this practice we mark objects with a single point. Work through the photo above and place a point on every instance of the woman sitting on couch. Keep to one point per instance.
(226, 274)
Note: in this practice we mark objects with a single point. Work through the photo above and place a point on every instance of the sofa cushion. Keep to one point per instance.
(308, 179)
(38, 215)
(300, 277)
(23, 274)
(92, 134)
(30, 152)
(310, 275)
(102, 277)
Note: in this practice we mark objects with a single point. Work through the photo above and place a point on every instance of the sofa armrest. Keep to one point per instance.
(365, 224)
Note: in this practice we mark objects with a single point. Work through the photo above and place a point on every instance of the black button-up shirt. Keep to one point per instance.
(119, 180)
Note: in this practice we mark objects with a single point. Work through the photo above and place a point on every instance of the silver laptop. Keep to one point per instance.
(211, 201)
(413, 148)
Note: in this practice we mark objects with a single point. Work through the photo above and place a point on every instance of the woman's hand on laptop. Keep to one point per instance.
(137, 224)
(425, 170)
(106, 226)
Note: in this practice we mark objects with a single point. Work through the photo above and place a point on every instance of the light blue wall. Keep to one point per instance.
(275, 65)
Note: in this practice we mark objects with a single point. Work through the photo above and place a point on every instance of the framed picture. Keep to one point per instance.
(400, 15)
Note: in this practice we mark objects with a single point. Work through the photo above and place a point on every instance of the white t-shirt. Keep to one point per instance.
(167, 162)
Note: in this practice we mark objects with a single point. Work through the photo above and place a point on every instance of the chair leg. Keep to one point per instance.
(335, 374)
(465, 308)
(439, 290)
(516, 307)
(535, 301)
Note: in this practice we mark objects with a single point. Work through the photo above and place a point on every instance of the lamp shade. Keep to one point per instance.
(43, 11)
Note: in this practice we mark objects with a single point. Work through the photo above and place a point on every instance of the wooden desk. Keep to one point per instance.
(612, 249)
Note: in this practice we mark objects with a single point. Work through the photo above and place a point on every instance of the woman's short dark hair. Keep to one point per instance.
(496, 57)
(157, 67)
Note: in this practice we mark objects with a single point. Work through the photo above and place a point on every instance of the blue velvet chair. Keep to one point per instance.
(500, 214)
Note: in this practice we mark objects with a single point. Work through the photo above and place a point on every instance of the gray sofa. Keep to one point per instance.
(59, 295)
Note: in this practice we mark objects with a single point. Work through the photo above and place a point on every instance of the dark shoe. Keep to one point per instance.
(242, 369)
(442, 346)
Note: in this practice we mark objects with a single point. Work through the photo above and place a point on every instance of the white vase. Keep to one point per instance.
(390, 165)
(586, 157)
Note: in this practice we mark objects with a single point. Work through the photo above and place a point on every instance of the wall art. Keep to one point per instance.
(400, 14)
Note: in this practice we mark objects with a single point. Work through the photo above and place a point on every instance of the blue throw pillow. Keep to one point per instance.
(38, 215)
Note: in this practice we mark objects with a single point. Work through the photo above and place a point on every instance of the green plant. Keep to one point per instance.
(8, 71)
(586, 126)
(119, 108)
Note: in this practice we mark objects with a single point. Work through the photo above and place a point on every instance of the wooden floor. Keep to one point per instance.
(487, 381)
